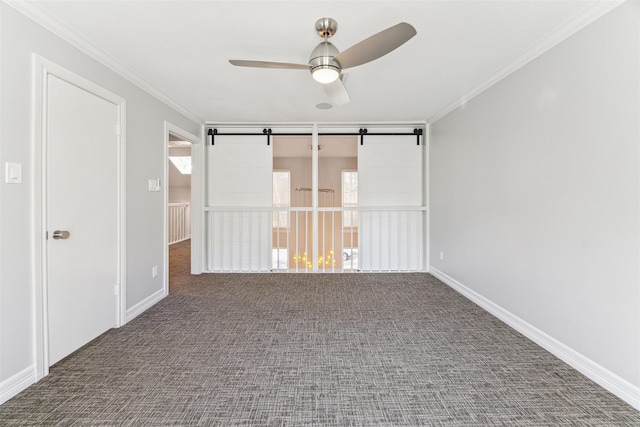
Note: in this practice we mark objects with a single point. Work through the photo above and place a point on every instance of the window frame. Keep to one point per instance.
(278, 223)
(347, 216)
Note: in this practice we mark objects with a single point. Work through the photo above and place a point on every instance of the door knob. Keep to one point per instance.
(61, 234)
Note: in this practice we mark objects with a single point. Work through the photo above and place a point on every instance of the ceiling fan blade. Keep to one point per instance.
(376, 46)
(337, 92)
(269, 64)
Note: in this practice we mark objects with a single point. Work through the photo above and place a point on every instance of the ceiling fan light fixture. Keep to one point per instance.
(325, 74)
(324, 68)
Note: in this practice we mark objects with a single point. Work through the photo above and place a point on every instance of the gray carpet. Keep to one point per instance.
(326, 350)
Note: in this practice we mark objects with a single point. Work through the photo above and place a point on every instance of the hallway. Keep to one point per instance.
(180, 266)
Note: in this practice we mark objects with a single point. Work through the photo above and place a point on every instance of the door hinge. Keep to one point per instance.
(46, 235)
(118, 130)
(116, 290)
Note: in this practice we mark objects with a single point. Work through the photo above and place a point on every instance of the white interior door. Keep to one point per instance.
(82, 192)
(240, 181)
(390, 175)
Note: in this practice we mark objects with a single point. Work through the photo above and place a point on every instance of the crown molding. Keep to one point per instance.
(36, 14)
(573, 25)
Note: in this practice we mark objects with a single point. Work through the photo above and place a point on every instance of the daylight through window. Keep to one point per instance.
(281, 197)
(183, 163)
(350, 198)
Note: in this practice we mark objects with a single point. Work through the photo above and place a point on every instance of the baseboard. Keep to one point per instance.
(597, 373)
(145, 304)
(15, 384)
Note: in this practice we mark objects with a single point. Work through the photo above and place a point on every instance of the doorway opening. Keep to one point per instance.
(333, 246)
(179, 166)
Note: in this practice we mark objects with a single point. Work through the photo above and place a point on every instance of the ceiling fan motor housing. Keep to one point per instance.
(323, 57)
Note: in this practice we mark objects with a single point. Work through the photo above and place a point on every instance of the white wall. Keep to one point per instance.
(19, 38)
(179, 194)
(535, 195)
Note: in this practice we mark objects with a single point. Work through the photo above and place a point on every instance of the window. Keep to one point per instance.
(183, 163)
(350, 198)
(281, 197)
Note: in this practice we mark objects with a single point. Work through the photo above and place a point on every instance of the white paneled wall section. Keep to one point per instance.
(390, 176)
(239, 200)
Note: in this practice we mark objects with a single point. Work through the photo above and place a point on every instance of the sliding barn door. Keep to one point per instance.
(390, 194)
(239, 199)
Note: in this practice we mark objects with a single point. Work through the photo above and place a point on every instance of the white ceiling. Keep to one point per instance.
(176, 142)
(180, 48)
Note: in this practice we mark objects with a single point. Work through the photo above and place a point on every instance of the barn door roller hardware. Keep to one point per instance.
(213, 132)
(417, 132)
(363, 131)
(268, 133)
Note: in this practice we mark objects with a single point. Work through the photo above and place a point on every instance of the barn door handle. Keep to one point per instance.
(61, 234)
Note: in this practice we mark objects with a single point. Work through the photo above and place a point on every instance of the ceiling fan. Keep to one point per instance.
(326, 62)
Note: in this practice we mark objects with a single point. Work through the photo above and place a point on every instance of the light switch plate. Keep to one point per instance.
(154, 184)
(13, 173)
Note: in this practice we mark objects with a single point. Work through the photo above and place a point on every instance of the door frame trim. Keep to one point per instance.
(42, 69)
(196, 200)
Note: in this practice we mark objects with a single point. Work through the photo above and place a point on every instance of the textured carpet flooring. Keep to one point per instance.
(326, 350)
